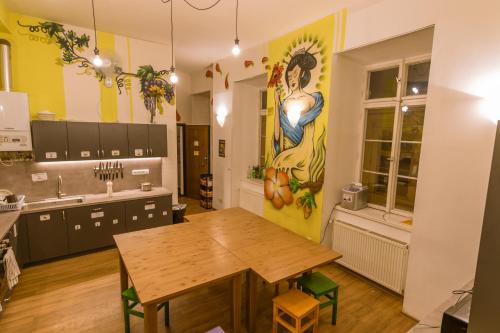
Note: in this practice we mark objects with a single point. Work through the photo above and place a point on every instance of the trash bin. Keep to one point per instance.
(179, 210)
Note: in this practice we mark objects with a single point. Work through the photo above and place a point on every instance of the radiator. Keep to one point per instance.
(374, 256)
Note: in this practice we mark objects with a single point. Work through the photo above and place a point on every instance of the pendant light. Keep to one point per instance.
(97, 60)
(173, 78)
(236, 48)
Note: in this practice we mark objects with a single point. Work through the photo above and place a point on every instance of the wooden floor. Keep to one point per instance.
(81, 294)
(193, 206)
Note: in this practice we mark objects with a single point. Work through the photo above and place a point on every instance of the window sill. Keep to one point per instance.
(380, 216)
(255, 186)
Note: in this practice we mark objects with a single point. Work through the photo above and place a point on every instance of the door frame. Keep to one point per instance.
(182, 187)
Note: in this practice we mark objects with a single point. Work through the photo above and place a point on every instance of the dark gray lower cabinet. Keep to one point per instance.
(23, 250)
(47, 235)
(93, 227)
(148, 213)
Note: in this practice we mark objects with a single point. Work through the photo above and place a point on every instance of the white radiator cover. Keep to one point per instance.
(376, 257)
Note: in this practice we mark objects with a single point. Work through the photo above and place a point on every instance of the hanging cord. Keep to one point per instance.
(96, 50)
(195, 7)
(237, 5)
(172, 32)
(328, 222)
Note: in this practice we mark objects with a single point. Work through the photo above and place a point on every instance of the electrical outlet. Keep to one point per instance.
(139, 172)
(39, 177)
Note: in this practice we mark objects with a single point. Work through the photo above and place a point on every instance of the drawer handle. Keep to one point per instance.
(77, 227)
(97, 224)
(96, 209)
(150, 201)
(150, 216)
(115, 221)
(134, 218)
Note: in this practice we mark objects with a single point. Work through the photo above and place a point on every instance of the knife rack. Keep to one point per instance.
(108, 171)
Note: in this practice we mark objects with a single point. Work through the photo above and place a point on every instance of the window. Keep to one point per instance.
(262, 128)
(394, 120)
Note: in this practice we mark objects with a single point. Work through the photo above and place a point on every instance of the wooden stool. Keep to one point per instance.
(318, 285)
(298, 306)
(130, 295)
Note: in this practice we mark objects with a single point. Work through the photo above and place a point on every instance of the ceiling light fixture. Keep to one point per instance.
(173, 78)
(236, 48)
(97, 60)
(405, 108)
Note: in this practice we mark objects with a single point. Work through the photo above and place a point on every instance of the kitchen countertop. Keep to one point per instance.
(102, 198)
(8, 219)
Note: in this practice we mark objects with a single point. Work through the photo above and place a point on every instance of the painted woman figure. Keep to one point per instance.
(293, 140)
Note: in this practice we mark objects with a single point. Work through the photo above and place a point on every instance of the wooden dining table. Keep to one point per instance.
(165, 262)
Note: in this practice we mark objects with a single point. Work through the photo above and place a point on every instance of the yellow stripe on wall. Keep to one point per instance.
(128, 90)
(35, 69)
(109, 96)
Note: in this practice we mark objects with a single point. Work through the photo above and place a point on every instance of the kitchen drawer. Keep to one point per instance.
(47, 235)
(148, 213)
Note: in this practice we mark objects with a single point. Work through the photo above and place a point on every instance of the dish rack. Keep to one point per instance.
(4, 207)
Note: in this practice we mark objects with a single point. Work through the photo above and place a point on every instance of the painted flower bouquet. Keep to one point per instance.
(154, 90)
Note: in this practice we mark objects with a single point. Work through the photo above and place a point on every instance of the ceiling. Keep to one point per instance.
(200, 37)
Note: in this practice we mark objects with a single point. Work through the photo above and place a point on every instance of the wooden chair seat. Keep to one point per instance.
(298, 307)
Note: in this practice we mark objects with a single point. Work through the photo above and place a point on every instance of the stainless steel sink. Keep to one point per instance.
(54, 202)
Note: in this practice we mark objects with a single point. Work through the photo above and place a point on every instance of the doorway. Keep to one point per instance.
(196, 157)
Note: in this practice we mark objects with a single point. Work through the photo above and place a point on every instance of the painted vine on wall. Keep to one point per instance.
(155, 89)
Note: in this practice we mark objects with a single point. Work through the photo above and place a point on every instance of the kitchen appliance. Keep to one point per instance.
(354, 197)
(146, 186)
(15, 133)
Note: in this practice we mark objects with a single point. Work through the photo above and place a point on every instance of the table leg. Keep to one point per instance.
(150, 318)
(237, 303)
(251, 301)
(123, 276)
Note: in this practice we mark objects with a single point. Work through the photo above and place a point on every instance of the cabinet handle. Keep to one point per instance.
(66, 154)
(98, 153)
(64, 215)
(102, 152)
(96, 209)
(151, 150)
(150, 201)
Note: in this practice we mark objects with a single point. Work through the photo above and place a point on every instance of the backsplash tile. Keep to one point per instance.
(78, 177)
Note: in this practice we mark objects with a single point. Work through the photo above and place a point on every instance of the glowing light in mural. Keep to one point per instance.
(295, 109)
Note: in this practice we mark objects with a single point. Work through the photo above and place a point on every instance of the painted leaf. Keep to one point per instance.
(217, 69)
(248, 63)
(209, 74)
(265, 60)
(226, 81)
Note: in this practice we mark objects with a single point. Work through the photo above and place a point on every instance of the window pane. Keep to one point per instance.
(376, 156)
(383, 83)
(409, 157)
(377, 187)
(418, 78)
(379, 124)
(405, 194)
(413, 123)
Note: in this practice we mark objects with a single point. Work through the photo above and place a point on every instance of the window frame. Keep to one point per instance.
(397, 103)
(261, 113)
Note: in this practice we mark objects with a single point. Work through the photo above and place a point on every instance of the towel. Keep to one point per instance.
(12, 271)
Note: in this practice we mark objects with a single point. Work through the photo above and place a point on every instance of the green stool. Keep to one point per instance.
(317, 285)
(130, 295)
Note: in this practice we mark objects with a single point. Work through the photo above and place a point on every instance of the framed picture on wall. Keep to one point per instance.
(222, 148)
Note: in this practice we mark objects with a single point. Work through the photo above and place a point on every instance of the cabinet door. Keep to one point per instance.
(135, 215)
(114, 140)
(83, 141)
(47, 235)
(138, 142)
(116, 218)
(164, 211)
(50, 142)
(88, 228)
(23, 250)
(158, 140)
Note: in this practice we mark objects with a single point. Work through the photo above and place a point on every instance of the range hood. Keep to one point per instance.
(15, 133)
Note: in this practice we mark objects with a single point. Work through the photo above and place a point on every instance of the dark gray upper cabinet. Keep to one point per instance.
(47, 235)
(114, 140)
(138, 142)
(49, 140)
(158, 140)
(83, 141)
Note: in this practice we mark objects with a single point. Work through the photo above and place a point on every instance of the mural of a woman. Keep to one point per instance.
(294, 123)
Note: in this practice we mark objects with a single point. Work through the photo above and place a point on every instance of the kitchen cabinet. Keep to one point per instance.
(47, 235)
(49, 140)
(157, 137)
(83, 141)
(93, 227)
(148, 213)
(23, 250)
(113, 140)
(147, 140)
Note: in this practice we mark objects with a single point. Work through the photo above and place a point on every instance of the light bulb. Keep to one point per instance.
(174, 78)
(415, 90)
(236, 48)
(97, 61)
(405, 108)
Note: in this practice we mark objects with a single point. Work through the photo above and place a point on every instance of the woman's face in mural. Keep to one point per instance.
(294, 78)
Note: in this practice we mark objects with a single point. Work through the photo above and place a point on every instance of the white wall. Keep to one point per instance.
(458, 136)
(183, 97)
(200, 109)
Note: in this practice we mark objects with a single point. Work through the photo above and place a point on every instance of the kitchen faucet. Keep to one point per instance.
(60, 194)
